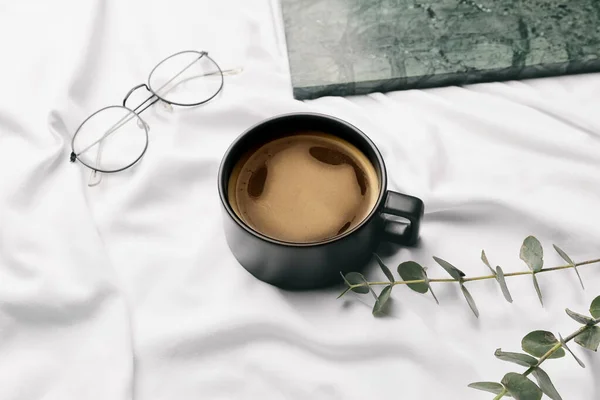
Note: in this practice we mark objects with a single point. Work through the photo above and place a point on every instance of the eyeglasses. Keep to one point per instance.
(115, 138)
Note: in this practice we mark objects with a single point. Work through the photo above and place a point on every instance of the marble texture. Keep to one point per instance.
(346, 47)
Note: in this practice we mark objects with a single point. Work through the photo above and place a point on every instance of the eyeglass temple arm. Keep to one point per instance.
(95, 176)
(112, 129)
(232, 71)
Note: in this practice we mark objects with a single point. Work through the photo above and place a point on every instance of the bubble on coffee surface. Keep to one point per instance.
(306, 188)
(256, 183)
(336, 157)
(344, 228)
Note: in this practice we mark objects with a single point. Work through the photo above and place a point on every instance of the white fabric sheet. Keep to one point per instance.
(128, 290)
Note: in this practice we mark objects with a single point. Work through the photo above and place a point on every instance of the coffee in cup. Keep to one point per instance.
(304, 187)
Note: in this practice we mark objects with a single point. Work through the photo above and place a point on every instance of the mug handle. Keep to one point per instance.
(405, 206)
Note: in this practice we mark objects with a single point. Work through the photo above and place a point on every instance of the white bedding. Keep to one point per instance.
(128, 291)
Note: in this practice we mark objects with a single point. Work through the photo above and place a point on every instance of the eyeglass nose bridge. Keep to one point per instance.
(141, 85)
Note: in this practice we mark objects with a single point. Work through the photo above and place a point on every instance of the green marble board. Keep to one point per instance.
(347, 47)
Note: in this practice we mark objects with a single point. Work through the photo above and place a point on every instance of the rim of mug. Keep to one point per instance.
(254, 232)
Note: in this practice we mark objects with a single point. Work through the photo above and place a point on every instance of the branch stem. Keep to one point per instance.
(501, 394)
(476, 278)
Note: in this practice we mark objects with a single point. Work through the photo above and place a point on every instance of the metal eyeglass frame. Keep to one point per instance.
(135, 112)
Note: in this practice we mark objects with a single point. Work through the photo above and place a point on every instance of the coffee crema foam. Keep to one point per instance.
(304, 188)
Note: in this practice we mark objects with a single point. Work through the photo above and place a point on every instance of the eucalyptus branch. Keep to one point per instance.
(546, 346)
(475, 278)
(415, 276)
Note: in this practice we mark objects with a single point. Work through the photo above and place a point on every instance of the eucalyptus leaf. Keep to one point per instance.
(344, 278)
(536, 285)
(563, 255)
(347, 283)
(385, 269)
(595, 308)
(538, 343)
(432, 293)
(451, 269)
(470, 300)
(564, 344)
(344, 292)
(364, 281)
(355, 278)
(582, 319)
(503, 286)
(491, 387)
(590, 338)
(517, 358)
(370, 289)
(412, 271)
(569, 261)
(532, 253)
(579, 276)
(545, 384)
(382, 300)
(521, 388)
(486, 262)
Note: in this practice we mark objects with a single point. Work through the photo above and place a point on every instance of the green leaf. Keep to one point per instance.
(412, 271)
(470, 300)
(517, 358)
(382, 300)
(347, 283)
(385, 269)
(595, 308)
(570, 262)
(521, 388)
(538, 343)
(563, 255)
(370, 289)
(503, 286)
(432, 293)
(532, 253)
(486, 262)
(589, 339)
(491, 387)
(546, 384)
(536, 285)
(451, 269)
(355, 278)
(582, 319)
(344, 292)
(579, 276)
(564, 344)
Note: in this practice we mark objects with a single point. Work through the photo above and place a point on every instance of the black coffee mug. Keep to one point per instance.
(304, 266)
